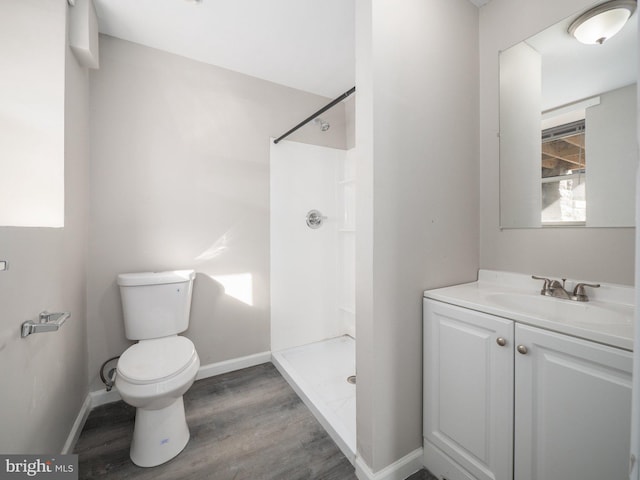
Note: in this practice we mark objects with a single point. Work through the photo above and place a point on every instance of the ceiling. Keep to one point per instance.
(304, 44)
(572, 71)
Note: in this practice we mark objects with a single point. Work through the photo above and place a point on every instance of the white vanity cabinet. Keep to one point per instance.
(507, 401)
(468, 393)
(572, 408)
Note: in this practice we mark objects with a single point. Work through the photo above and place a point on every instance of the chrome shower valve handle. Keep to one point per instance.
(315, 219)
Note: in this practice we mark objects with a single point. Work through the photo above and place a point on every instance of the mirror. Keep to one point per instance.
(32, 114)
(568, 146)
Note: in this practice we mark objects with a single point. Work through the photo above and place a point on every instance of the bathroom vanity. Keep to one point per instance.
(526, 387)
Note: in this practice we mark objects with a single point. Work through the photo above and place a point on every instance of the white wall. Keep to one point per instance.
(417, 216)
(634, 470)
(350, 121)
(31, 113)
(612, 157)
(520, 110)
(600, 254)
(180, 179)
(44, 376)
(304, 261)
(347, 188)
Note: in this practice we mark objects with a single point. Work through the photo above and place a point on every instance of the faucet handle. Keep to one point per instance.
(546, 288)
(579, 293)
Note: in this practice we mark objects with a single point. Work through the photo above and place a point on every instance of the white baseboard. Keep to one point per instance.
(77, 426)
(213, 369)
(102, 397)
(399, 470)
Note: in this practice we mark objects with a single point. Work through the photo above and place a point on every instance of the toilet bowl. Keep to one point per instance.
(153, 374)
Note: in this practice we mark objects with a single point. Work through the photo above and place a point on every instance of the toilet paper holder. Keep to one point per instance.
(47, 322)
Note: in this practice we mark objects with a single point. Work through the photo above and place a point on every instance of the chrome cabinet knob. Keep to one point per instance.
(501, 341)
(522, 349)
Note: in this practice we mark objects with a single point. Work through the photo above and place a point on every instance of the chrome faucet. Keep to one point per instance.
(558, 290)
(553, 288)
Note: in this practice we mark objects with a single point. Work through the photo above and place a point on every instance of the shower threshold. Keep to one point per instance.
(318, 373)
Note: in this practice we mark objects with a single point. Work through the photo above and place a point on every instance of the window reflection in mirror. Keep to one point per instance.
(563, 174)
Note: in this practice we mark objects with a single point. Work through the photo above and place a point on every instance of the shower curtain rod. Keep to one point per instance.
(319, 112)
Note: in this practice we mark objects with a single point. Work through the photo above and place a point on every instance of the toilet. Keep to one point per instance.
(153, 374)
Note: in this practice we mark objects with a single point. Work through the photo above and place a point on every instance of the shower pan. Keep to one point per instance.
(313, 281)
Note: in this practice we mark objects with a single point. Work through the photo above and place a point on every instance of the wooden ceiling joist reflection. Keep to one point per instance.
(567, 152)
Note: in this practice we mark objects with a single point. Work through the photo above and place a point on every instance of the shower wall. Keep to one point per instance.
(347, 242)
(311, 269)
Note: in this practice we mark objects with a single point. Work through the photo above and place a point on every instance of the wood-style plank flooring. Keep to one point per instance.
(245, 425)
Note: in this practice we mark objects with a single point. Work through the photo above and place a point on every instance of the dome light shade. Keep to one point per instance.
(602, 22)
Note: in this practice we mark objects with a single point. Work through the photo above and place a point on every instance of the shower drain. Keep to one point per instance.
(351, 379)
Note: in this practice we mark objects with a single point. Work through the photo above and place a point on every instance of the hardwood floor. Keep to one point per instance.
(245, 425)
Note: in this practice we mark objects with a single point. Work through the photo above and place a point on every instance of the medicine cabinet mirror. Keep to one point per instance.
(568, 145)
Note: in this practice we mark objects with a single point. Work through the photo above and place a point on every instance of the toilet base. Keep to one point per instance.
(159, 435)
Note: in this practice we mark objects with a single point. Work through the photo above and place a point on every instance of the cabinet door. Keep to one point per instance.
(468, 393)
(572, 408)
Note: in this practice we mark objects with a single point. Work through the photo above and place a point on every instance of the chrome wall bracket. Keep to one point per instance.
(47, 322)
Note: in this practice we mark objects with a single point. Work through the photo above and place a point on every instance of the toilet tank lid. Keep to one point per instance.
(155, 278)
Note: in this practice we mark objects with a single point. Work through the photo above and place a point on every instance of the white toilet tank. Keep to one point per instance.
(156, 304)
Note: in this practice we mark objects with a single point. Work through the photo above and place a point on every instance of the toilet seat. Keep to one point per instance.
(156, 360)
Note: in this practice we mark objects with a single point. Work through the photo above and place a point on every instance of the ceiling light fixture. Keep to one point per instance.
(602, 22)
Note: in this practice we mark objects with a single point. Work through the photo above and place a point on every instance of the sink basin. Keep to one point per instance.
(560, 310)
(607, 318)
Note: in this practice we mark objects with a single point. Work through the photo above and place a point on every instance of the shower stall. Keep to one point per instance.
(313, 281)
